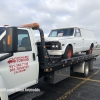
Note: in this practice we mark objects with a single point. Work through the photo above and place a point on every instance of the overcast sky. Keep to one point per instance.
(52, 13)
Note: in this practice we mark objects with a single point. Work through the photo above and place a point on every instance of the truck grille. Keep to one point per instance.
(49, 45)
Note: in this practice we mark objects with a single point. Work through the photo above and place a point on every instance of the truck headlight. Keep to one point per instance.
(53, 46)
(56, 46)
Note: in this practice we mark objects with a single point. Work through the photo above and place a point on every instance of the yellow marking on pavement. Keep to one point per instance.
(85, 79)
(73, 89)
(94, 80)
(77, 77)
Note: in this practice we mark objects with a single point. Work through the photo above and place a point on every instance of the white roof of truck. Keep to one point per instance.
(71, 27)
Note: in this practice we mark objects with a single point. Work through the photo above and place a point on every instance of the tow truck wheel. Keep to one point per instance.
(86, 70)
(68, 52)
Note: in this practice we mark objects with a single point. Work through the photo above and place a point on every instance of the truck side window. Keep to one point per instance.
(24, 43)
(77, 32)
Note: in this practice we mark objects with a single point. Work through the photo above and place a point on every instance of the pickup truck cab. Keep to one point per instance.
(67, 41)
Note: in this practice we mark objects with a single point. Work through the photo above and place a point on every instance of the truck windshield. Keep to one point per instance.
(61, 32)
(2, 41)
(2, 29)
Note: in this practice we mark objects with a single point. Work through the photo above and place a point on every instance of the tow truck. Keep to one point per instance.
(23, 60)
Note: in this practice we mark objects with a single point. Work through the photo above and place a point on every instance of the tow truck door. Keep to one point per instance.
(21, 70)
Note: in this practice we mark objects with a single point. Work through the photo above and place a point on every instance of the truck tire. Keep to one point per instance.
(90, 50)
(86, 70)
(68, 52)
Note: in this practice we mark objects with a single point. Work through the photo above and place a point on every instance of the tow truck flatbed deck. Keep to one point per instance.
(71, 61)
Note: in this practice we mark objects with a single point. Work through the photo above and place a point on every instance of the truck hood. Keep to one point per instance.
(57, 38)
(2, 54)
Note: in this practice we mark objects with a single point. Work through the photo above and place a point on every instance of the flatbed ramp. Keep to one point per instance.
(75, 87)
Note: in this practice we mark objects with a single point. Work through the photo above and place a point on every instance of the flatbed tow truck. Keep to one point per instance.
(24, 65)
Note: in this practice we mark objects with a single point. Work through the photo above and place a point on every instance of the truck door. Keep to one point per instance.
(21, 70)
(78, 41)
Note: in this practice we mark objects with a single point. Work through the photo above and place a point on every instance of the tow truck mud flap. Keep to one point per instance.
(57, 76)
(90, 63)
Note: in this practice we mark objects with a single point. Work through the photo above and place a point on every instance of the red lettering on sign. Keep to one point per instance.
(18, 64)
(11, 60)
(18, 59)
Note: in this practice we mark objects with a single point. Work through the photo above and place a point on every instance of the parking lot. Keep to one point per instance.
(75, 87)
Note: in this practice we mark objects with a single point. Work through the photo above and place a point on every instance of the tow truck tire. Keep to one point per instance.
(68, 52)
(86, 70)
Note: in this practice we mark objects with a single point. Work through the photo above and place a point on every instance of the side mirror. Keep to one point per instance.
(11, 39)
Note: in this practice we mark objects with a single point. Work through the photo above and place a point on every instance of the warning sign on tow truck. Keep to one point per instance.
(18, 64)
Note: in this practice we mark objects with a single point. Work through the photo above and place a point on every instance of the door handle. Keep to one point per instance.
(82, 39)
(74, 43)
(34, 56)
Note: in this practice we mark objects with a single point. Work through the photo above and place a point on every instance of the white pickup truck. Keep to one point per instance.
(67, 41)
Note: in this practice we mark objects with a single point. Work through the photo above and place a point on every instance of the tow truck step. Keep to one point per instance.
(25, 95)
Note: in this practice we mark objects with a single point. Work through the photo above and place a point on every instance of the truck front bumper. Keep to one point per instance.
(55, 52)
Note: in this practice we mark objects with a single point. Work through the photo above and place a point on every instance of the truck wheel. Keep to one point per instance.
(90, 50)
(86, 69)
(68, 52)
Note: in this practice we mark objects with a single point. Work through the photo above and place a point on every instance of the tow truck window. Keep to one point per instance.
(24, 43)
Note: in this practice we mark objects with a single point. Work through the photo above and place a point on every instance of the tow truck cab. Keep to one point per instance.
(19, 66)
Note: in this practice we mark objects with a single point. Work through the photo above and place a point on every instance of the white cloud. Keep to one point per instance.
(52, 13)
